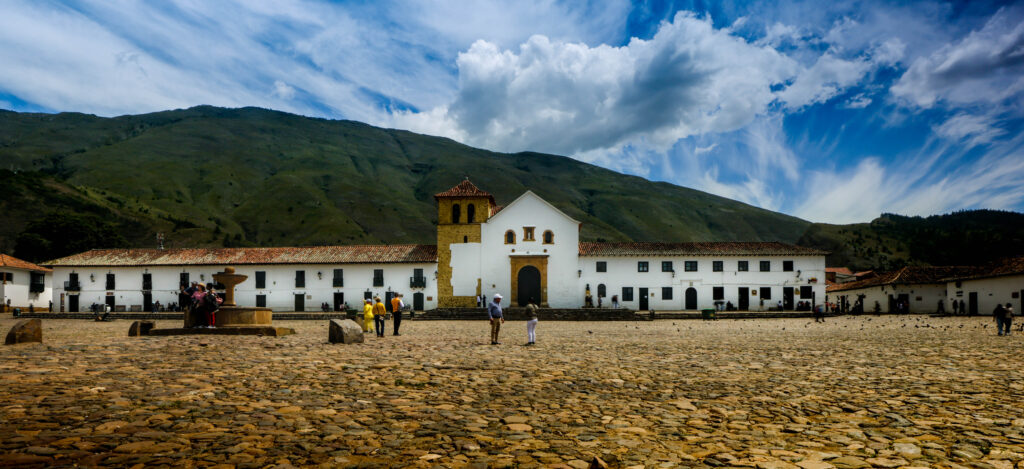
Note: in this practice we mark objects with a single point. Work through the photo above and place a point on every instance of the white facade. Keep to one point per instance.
(921, 297)
(526, 212)
(988, 292)
(528, 246)
(806, 279)
(280, 291)
(18, 290)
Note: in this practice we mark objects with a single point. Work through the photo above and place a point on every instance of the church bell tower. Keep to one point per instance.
(460, 211)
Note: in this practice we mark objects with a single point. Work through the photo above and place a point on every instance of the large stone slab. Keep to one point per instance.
(25, 331)
(248, 330)
(344, 332)
(139, 328)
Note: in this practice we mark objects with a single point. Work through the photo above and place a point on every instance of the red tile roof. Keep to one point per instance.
(15, 263)
(908, 275)
(839, 270)
(464, 189)
(366, 254)
(1008, 266)
(686, 249)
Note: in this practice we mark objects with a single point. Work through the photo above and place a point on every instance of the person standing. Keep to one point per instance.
(818, 316)
(956, 308)
(396, 311)
(496, 318)
(379, 313)
(963, 309)
(941, 309)
(615, 301)
(213, 302)
(367, 315)
(531, 323)
(1008, 318)
(479, 301)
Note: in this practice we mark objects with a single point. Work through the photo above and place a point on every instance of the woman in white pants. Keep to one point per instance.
(531, 324)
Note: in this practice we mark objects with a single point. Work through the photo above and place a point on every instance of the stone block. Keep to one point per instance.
(139, 328)
(345, 332)
(24, 331)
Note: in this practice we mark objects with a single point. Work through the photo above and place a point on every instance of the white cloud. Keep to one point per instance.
(859, 101)
(283, 90)
(985, 67)
(975, 129)
(570, 98)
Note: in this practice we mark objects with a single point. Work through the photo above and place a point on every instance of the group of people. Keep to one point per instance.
(1004, 318)
(496, 317)
(201, 303)
(375, 313)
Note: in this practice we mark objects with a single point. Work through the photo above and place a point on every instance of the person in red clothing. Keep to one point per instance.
(211, 303)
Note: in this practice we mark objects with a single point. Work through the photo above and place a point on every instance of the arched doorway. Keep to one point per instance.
(528, 285)
(691, 298)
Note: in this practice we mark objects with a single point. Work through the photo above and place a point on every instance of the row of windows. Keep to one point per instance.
(184, 279)
(510, 236)
(691, 266)
(717, 293)
(457, 213)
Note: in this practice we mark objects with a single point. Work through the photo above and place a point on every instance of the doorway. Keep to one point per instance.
(972, 303)
(417, 301)
(528, 284)
(73, 303)
(744, 299)
(691, 298)
(300, 302)
(787, 298)
(339, 300)
(147, 302)
(387, 301)
(644, 296)
(110, 302)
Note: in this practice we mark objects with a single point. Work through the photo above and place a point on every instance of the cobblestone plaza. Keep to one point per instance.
(862, 391)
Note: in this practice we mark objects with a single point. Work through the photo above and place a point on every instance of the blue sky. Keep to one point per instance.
(830, 111)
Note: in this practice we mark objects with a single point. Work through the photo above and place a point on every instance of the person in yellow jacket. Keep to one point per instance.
(379, 312)
(367, 316)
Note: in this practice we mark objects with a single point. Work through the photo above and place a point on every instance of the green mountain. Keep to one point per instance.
(210, 176)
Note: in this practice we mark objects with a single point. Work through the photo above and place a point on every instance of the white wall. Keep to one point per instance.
(991, 291)
(924, 298)
(280, 284)
(495, 267)
(623, 272)
(17, 290)
(465, 265)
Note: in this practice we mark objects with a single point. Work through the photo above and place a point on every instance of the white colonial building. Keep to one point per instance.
(24, 284)
(526, 249)
(1000, 282)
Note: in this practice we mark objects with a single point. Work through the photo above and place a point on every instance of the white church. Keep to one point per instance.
(525, 249)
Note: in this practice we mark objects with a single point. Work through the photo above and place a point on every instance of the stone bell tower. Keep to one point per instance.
(460, 211)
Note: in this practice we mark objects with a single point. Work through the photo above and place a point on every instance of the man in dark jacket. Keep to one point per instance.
(1000, 316)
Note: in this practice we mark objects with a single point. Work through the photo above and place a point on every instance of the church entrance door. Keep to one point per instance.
(528, 285)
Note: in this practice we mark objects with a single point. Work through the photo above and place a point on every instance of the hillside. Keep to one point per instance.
(891, 241)
(210, 176)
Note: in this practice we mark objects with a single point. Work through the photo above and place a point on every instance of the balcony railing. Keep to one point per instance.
(147, 285)
(72, 285)
(339, 282)
(417, 282)
(36, 287)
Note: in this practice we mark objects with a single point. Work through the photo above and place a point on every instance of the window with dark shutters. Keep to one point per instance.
(261, 279)
(378, 277)
(339, 278)
(300, 279)
(627, 293)
(110, 282)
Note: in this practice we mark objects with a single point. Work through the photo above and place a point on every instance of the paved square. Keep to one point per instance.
(854, 392)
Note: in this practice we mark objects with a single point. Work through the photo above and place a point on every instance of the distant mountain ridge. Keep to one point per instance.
(209, 176)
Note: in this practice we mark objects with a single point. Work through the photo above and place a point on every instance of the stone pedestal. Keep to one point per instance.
(234, 316)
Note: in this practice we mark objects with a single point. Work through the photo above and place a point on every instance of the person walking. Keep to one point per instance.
(615, 301)
(367, 315)
(1008, 318)
(818, 316)
(963, 309)
(999, 314)
(956, 308)
(496, 318)
(531, 323)
(379, 313)
(396, 311)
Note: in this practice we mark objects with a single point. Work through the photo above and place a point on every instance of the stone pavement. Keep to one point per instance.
(784, 393)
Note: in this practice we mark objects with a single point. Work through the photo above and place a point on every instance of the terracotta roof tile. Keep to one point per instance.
(15, 263)
(906, 276)
(1008, 266)
(464, 189)
(703, 248)
(364, 254)
(839, 270)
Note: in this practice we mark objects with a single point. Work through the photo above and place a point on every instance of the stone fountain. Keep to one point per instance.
(232, 315)
(231, 318)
